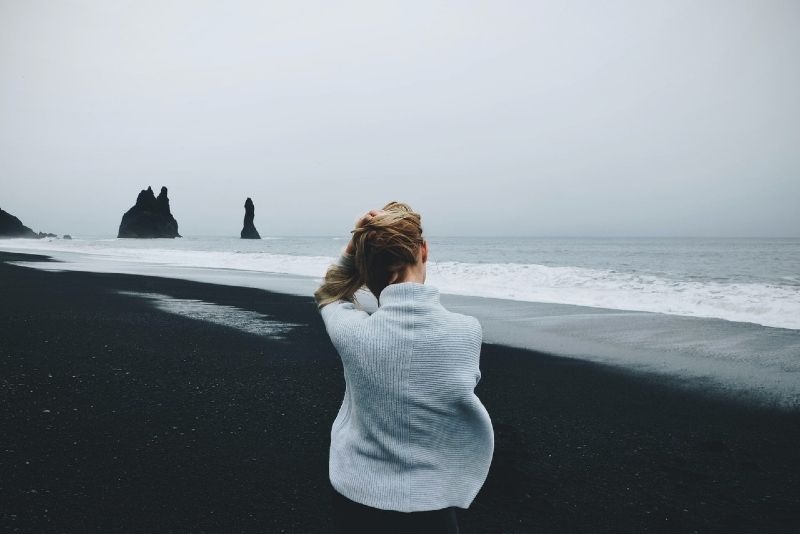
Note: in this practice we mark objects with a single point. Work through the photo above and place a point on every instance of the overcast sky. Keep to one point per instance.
(489, 118)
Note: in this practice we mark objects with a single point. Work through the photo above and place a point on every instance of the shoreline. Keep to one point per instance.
(742, 361)
(118, 414)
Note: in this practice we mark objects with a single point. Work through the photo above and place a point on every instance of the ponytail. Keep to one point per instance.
(382, 248)
(342, 280)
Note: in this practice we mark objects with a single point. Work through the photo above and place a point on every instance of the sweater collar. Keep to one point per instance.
(408, 291)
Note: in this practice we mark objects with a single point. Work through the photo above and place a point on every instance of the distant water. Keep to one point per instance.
(743, 280)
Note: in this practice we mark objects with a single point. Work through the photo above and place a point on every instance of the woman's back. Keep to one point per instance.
(411, 434)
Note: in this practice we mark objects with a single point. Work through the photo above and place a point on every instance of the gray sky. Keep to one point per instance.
(489, 118)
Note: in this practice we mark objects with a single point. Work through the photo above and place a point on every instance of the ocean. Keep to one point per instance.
(721, 315)
(743, 280)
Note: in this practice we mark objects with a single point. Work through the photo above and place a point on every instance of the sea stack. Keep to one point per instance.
(249, 230)
(10, 226)
(150, 217)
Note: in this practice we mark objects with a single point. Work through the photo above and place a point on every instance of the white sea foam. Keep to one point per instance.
(178, 257)
(765, 304)
(245, 320)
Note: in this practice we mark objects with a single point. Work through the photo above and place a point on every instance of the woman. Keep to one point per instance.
(411, 442)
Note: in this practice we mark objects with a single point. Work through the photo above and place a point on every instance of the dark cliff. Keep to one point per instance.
(10, 226)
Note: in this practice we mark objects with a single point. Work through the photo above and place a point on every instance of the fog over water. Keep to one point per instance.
(490, 118)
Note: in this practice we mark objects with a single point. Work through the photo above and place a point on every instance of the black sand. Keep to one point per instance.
(117, 416)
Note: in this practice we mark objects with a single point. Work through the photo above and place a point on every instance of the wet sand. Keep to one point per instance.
(118, 415)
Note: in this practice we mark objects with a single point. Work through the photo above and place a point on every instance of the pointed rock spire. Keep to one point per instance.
(249, 229)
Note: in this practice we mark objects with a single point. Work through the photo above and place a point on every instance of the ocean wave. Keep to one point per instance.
(764, 304)
(774, 305)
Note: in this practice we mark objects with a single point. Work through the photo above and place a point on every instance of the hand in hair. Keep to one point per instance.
(392, 241)
(361, 221)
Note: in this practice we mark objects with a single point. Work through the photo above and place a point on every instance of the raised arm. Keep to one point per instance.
(336, 296)
(341, 315)
(342, 280)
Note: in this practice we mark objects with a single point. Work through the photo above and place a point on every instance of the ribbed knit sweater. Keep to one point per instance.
(411, 434)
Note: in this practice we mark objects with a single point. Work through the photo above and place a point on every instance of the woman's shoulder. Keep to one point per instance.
(465, 326)
(463, 318)
(471, 322)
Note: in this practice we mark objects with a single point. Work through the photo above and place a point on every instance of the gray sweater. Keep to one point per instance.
(411, 434)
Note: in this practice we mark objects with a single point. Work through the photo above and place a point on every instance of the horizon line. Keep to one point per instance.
(436, 236)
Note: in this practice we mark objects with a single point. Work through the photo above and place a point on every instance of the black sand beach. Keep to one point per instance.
(117, 416)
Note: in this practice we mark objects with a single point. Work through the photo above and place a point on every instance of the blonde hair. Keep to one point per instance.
(383, 246)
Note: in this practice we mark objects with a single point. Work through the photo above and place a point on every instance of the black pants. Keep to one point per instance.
(351, 517)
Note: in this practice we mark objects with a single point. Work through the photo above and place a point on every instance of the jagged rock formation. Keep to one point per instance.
(150, 217)
(249, 230)
(66, 236)
(10, 226)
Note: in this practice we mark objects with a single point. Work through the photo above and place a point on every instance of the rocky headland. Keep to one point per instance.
(11, 226)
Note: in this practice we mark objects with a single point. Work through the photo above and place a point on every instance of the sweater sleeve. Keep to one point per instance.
(479, 327)
(342, 314)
